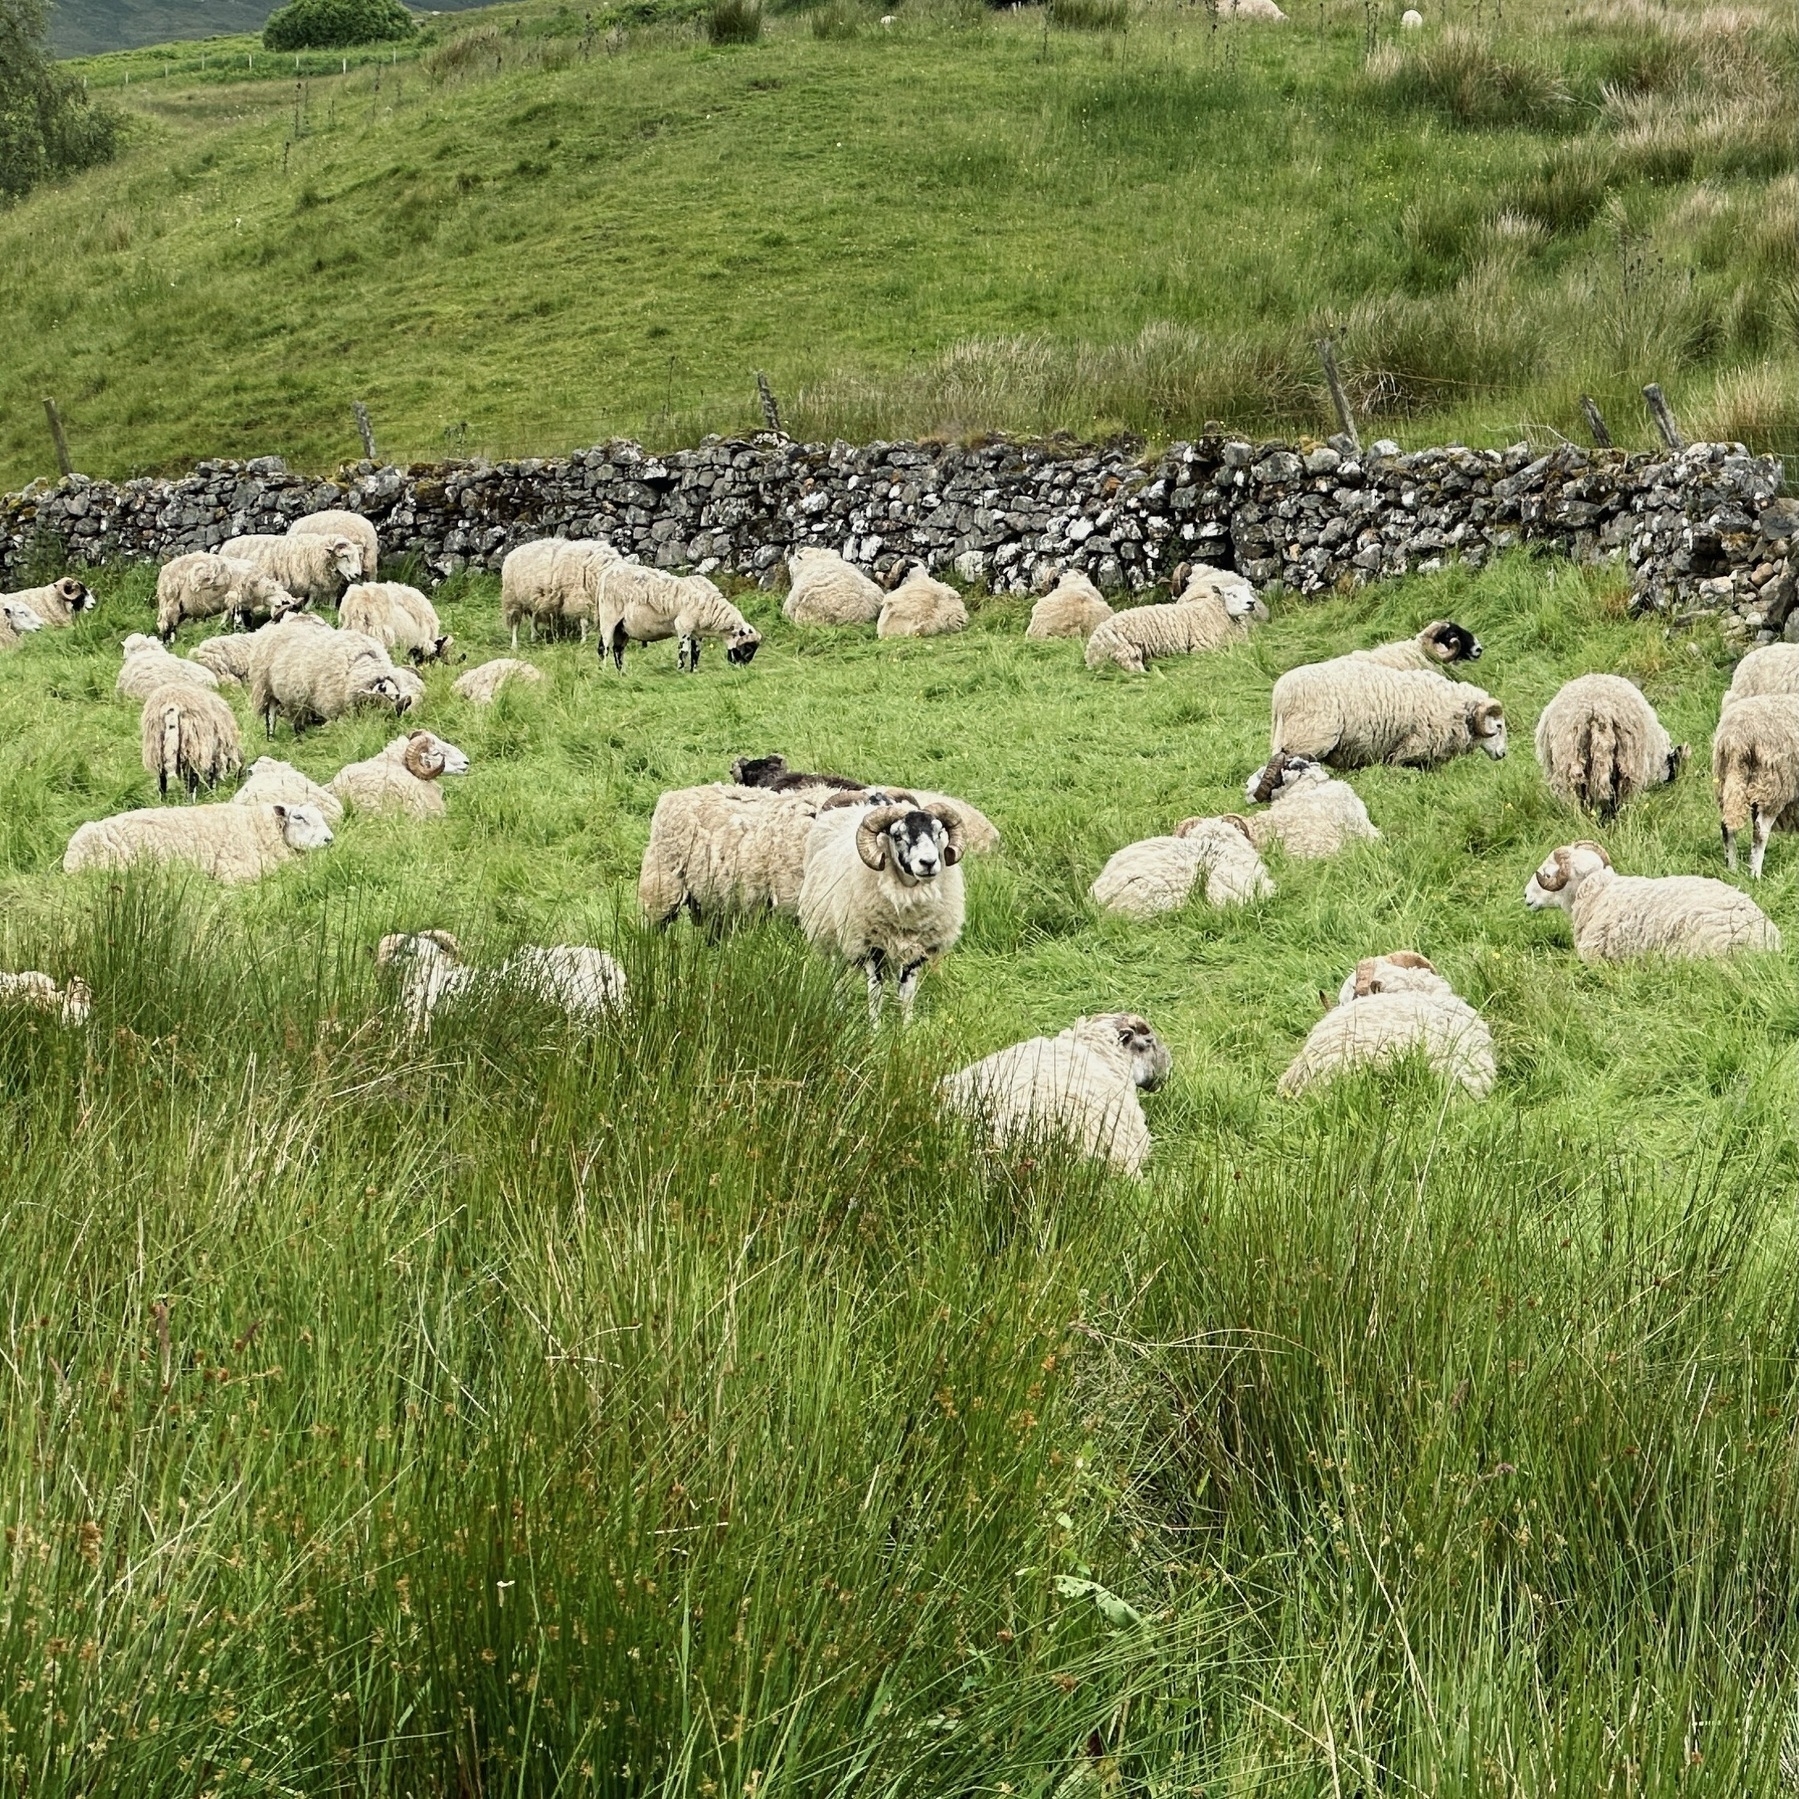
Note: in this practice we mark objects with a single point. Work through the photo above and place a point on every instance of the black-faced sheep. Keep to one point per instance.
(1351, 713)
(1441, 643)
(57, 604)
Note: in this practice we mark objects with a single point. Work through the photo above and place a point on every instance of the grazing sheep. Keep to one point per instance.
(402, 778)
(1616, 917)
(316, 676)
(270, 781)
(188, 733)
(635, 604)
(1309, 815)
(585, 983)
(202, 585)
(232, 654)
(38, 992)
(396, 616)
(1214, 616)
(315, 570)
(234, 844)
(17, 621)
(148, 666)
(1600, 744)
(552, 581)
(1774, 668)
(882, 889)
(1755, 772)
(1080, 1085)
(58, 603)
(481, 685)
(1439, 644)
(1264, 11)
(921, 607)
(1074, 607)
(1391, 1006)
(1157, 874)
(1351, 713)
(722, 850)
(338, 523)
(826, 590)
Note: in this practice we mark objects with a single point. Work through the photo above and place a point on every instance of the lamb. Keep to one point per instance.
(1074, 607)
(1755, 772)
(270, 781)
(883, 888)
(585, 983)
(1309, 815)
(1214, 617)
(402, 778)
(1616, 917)
(921, 607)
(202, 585)
(980, 834)
(481, 685)
(148, 666)
(1390, 1006)
(551, 581)
(826, 590)
(232, 844)
(188, 733)
(315, 570)
(1773, 668)
(1441, 643)
(338, 523)
(231, 654)
(1157, 874)
(38, 992)
(318, 676)
(57, 604)
(396, 616)
(722, 850)
(1351, 713)
(635, 604)
(1600, 744)
(1080, 1085)
(17, 621)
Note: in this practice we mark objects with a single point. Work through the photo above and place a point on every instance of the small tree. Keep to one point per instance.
(335, 24)
(47, 126)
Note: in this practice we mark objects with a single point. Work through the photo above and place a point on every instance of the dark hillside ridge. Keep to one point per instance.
(92, 27)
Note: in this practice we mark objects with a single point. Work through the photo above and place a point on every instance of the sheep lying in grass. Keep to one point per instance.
(1217, 614)
(1617, 917)
(1074, 607)
(1441, 643)
(1391, 1006)
(313, 677)
(585, 983)
(1158, 874)
(721, 851)
(635, 604)
(202, 585)
(57, 604)
(338, 523)
(481, 685)
(35, 991)
(980, 836)
(824, 589)
(398, 617)
(1309, 815)
(187, 733)
(148, 666)
(552, 581)
(231, 654)
(1774, 668)
(1351, 713)
(315, 570)
(270, 782)
(1755, 772)
(1600, 744)
(921, 607)
(402, 778)
(233, 844)
(17, 622)
(1080, 1086)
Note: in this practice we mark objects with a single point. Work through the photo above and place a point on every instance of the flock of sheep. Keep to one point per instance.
(870, 870)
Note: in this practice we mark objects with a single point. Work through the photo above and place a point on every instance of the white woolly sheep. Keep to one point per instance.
(583, 982)
(1262, 11)
(202, 585)
(1755, 772)
(398, 617)
(58, 603)
(1411, 20)
(148, 666)
(1193, 582)
(17, 621)
(825, 589)
(921, 606)
(635, 604)
(231, 654)
(1441, 643)
(1398, 971)
(316, 676)
(980, 834)
(271, 782)
(189, 734)
(1350, 713)
(722, 850)
(335, 522)
(1773, 668)
(481, 685)
(1074, 607)
(233, 844)
(402, 778)
(1158, 873)
(552, 581)
(1616, 917)
(1600, 744)
(38, 992)
(1080, 1085)
(1214, 616)
(1309, 815)
(1381, 1020)
(883, 889)
(315, 570)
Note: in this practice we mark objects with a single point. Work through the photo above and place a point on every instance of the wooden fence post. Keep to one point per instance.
(1327, 354)
(365, 430)
(1663, 414)
(1595, 422)
(56, 436)
(771, 412)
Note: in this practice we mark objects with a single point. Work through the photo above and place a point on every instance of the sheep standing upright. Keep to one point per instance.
(1600, 744)
(313, 677)
(187, 733)
(724, 851)
(1350, 713)
(1755, 772)
(315, 570)
(825, 589)
(1309, 815)
(635, 604)
(57, 604)
(1210, 614)
(338, 523)
(202, 585)
(552, 581)
(921, 606)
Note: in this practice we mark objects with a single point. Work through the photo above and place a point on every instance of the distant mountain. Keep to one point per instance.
(86, 27)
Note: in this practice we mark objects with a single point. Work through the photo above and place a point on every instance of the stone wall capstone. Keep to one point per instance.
(1703, 530)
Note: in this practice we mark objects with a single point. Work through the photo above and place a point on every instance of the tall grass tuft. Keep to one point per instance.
(735, 22)
(1468, 79)
(1090, 15)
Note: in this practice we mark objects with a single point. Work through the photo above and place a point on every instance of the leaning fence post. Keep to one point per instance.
(365, 430)
(771, 411)
(1327, 354)
(1663, 414)
(1595, 422)
(56, 436)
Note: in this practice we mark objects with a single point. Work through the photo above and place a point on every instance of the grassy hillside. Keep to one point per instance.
(681, 1409)
(559, 225)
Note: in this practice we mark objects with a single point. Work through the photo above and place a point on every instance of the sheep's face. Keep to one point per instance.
(20, 616)
(425, 949)
(77, 1001)
(383, 690)
(1487, 723)
(1446, 641)
(303, 827)
(76, 595)
(916, 843)
(346, 558)
(915, 846)
(758, 771)
(742, 644)
(1559, 879)
(1677, 758)
(274, 599)
(429, 757)
(1241, 601)
(1282, 774)
(1149, 1058)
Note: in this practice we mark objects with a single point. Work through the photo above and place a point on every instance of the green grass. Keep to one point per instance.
(682, 1409)
(562, 225)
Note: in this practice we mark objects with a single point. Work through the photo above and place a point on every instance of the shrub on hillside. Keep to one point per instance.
(336, 24)
(1090, 15)
(735, 22)
(1464, 76)
(47, 126)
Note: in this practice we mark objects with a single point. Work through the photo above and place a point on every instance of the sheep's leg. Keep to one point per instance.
(872, 967)
(583, 624)
(1730, 848)
(1761, 823)
(268, 722)
(687, 657)
(908, 988)
(617, 646)
(515, 636)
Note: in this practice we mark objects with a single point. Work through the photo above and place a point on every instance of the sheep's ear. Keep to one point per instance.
(1409, 958)
(281, 812)
(1237, 819)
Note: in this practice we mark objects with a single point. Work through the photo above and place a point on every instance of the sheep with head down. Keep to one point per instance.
(826, 589)
(315, 570)
(314, 677)
(1600, 744)
(204, 585)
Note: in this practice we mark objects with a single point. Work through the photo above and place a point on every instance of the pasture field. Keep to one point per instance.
(684, 1408)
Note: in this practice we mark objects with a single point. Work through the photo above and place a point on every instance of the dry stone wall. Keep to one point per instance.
(1703, 530)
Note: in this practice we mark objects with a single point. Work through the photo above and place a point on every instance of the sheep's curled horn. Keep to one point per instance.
(1367, 982)
(873, 829)
(1488, 714)
(423, 758)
